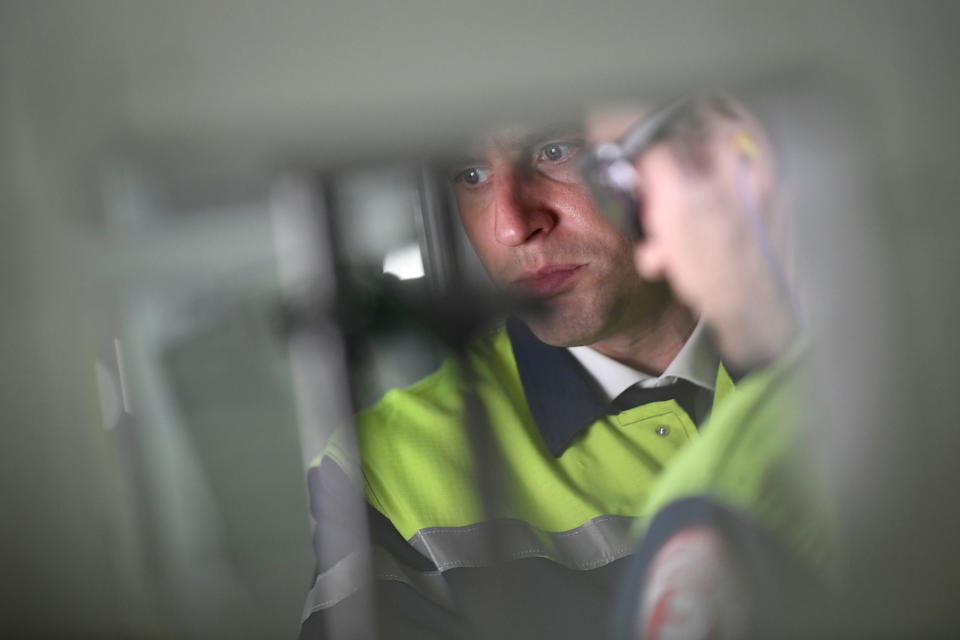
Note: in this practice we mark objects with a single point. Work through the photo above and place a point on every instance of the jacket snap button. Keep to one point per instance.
(662, 430)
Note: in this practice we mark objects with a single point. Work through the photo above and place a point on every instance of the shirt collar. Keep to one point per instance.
(566, 392)
(612, 376)
(697, 361)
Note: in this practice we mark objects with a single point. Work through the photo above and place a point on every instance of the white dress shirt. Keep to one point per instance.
(696, 362)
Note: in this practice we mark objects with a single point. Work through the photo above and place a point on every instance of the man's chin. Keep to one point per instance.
(556, 329)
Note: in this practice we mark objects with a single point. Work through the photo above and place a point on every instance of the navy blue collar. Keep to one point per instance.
(563, 398)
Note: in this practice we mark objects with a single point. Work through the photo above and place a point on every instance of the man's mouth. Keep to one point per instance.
(548, 281)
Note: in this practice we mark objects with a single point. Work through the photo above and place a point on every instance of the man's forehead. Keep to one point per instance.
(515, 136)
(596, 124)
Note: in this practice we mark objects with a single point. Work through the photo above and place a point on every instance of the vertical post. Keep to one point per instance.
(448, 283)
(439, 241)
(302, 212)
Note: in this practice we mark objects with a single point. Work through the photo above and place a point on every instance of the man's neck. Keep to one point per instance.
(651, 345)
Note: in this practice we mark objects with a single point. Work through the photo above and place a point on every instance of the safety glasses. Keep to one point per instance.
(607, 168)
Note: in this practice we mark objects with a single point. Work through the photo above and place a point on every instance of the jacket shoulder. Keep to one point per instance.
(438, 395)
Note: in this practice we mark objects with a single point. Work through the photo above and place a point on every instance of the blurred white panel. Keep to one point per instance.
(406, 263)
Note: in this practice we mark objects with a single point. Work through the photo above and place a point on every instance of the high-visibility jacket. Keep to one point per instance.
(568, 479)
(752, 458)
(753, 479)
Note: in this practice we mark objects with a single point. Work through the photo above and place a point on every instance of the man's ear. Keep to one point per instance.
(746, 146)
(749, 140)
(759, 188)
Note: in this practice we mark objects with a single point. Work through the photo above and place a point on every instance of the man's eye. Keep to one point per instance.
(472, 176)
(558, 151)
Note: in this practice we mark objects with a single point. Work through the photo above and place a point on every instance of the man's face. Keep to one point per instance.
(538, 233)
(697, 220)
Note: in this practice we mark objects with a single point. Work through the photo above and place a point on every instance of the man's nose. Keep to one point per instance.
(523, 209)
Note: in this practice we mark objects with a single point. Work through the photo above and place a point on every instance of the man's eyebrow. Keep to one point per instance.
(455, 162)
(553, 131)
(477, 152)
